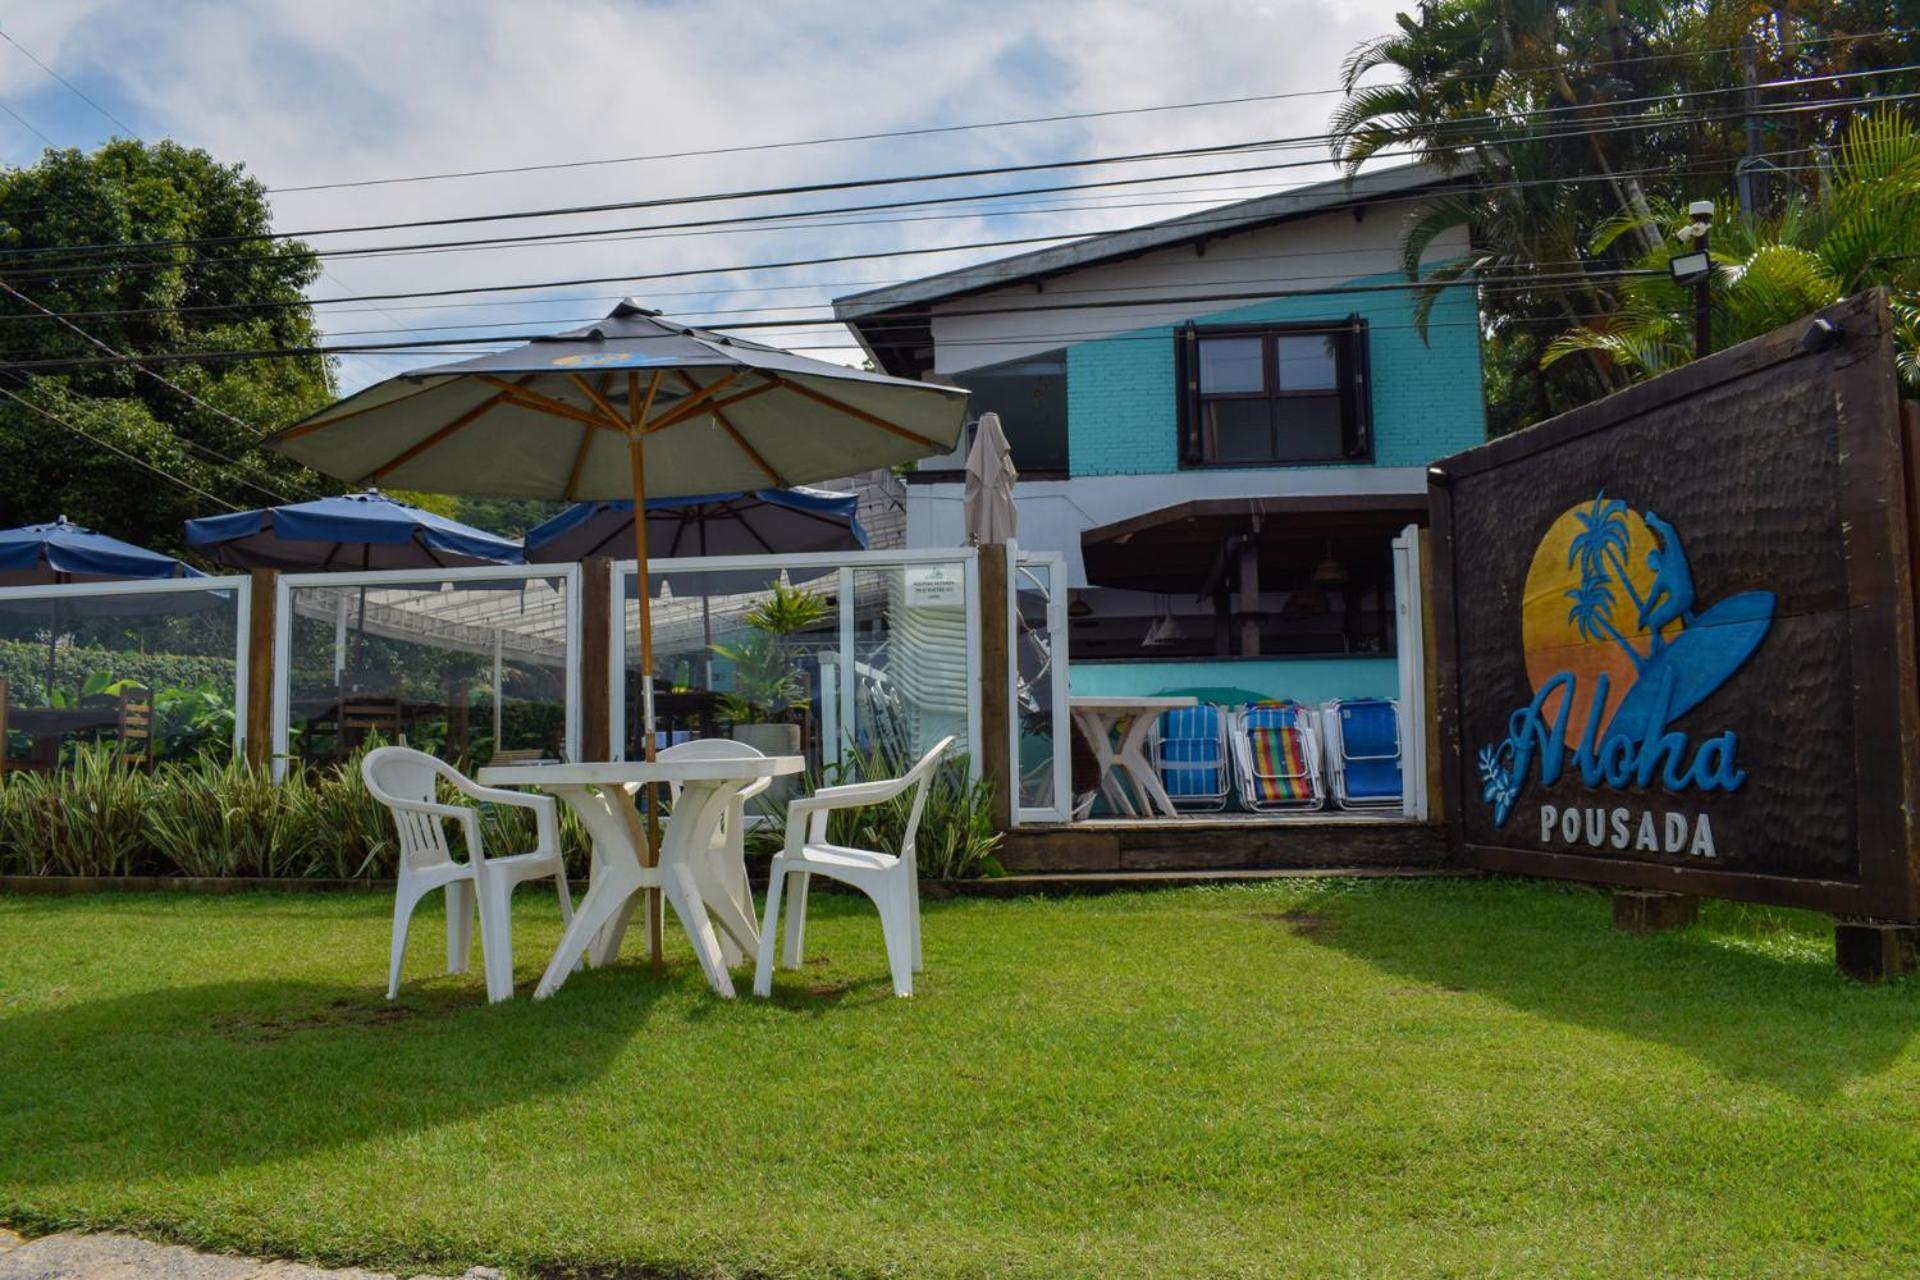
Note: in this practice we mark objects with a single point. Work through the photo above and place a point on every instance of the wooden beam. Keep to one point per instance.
(305, 428)
(726, 425)
(871, 419)
(644, 407)
(573, 475)
(460, 423)
(530, 399)
(683, 410)
(596, 634)
(600, 402)
(264, 599)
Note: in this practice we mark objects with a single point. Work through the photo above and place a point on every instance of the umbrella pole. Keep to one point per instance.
(637, 462)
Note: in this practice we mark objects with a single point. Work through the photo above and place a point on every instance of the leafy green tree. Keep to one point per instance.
(1560, 114)
(1859, 229)
(98, 237)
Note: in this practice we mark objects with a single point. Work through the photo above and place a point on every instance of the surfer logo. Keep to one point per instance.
(1616, 651)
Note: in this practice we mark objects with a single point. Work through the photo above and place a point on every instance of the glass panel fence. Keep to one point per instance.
(742, 653)
(474, 669)
(150, 674)
(911, 671)
(803, 655)
(1039, 679)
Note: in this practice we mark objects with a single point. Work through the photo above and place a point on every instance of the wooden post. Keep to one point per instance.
(1649, 911)
(994, 751)
(1249, 599)
(1875, 950)
(596, 640)
(259, 675)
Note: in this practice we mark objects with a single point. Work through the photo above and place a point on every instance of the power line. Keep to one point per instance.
(1197, 225)
(1341, 290)
(1613, 123)
(742, 148)
(1590, 114)
(138, 461)
(70, 85)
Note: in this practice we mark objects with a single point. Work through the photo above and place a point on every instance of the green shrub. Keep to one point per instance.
(225, 819)
(84, 820)
(23, 663)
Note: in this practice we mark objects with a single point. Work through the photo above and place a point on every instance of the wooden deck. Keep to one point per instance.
(1226, 842)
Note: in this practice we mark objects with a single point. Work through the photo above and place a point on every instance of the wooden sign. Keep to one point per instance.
(1676, 631)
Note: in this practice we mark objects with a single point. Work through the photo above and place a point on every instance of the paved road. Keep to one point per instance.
(117, 1257)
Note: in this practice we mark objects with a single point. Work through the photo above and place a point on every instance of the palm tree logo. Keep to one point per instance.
(1600, 550)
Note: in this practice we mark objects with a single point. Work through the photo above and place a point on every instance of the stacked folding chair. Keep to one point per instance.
(1189, 751)
(1363, 750)
(1276, 755)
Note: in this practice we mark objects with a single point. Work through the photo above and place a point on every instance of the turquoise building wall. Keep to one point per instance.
(1122, 410)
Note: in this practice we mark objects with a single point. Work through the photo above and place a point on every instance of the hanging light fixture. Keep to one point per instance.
(1331, 572)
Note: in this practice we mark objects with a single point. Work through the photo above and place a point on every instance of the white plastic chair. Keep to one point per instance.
(892, 880)
(722, 877)
(406, 781)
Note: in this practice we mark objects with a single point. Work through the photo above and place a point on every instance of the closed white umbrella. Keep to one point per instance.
(632, 407)
(988, 496)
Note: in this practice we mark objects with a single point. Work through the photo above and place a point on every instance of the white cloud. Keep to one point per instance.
(306, 92)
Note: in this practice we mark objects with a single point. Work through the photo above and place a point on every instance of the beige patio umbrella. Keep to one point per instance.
(987, 498)
(632, 407)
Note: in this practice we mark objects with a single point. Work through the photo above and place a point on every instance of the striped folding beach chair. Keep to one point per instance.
(1363, 752)
(1189, 750)
(1277, 757)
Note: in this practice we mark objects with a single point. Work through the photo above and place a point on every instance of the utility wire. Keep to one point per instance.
(1228, 217)
(1591, 113)
(138, 461)
(117, 121)
(743, 148)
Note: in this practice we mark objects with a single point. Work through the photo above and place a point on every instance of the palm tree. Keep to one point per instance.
(1860, 229)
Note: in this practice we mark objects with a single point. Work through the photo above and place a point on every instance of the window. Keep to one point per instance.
(1260, 396)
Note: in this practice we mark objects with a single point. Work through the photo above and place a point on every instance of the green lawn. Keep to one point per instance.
(1328, 1078)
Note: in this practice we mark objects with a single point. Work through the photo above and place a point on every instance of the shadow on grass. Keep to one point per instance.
(1745, 992)
(184, 1080)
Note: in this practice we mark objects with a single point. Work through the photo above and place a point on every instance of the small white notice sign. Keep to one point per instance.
(933, 585)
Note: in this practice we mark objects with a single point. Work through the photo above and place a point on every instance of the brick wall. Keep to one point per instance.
(1427, 400)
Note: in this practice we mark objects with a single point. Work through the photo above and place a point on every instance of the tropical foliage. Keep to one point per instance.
(1859, 229)
(1566, 114)
(767, 681)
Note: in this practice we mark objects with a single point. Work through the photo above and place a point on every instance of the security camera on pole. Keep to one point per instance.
(1695, 267)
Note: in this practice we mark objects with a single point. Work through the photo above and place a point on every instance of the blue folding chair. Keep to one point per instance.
(1189, 751)
(1363, 752)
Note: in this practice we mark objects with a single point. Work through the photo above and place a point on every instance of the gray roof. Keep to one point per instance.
(1204, 225)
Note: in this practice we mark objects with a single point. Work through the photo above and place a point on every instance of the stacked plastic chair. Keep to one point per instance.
(1189, 751)
(1276, 752)
(1363, 749)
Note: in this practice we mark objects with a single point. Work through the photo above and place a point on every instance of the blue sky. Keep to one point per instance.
(305, 93)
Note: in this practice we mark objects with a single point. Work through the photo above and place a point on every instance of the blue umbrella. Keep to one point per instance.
(764, 522)
(353, 531)
(59, 551)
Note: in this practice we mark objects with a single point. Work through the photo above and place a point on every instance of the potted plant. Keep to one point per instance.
(769, 691)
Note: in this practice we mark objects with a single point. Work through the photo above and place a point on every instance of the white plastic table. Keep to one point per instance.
(602, 794)
(1097, 718)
